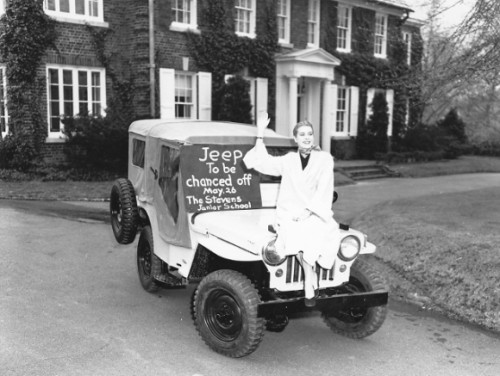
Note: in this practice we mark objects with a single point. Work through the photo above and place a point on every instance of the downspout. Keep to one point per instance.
(152, 59)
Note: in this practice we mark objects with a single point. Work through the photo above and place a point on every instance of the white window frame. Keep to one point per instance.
(4, 114)
(189, 7)
(313, 14)
(75, 93)
(343, 112)
(2, 7)
(283, 15)
(380, 35)
(407, 37)
(244, 21)
(72, 16)
(344, 28)
(192, 104)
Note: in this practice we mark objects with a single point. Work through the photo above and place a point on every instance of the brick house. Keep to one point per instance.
(148, 44)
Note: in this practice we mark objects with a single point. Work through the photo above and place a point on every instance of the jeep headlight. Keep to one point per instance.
(270, 255)
(349, 248)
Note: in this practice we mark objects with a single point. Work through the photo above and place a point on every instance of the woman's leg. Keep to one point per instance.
(310, 277)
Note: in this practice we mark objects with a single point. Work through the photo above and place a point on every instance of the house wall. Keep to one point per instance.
(127, 47)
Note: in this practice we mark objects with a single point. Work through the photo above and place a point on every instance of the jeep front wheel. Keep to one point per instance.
(148, 264)
(123, 211)
(356, 322)
(225, 313)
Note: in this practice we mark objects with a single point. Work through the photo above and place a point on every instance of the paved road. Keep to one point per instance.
(71, 304)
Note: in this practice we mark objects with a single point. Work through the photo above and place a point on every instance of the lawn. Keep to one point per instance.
(447, 246)
(463, 165)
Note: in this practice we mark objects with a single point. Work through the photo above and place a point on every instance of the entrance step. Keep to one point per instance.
(367, 171)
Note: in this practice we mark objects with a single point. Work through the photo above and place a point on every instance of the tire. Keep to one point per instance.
(123, 211)
(357, 322)
(225, 313)
(148, 264)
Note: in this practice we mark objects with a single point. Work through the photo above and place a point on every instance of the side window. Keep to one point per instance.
(169, 179)
(138, 147)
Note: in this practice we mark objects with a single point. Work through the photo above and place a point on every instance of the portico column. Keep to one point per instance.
(292, 103)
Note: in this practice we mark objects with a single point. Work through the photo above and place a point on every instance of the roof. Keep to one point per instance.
(205, 132)
(395, 3)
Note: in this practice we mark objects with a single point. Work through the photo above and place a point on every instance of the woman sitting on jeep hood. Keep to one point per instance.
(304, 217)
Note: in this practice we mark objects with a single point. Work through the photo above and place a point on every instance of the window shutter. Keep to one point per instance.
(389, 97)
(353, 110)
(167, 93)
(204, 95)
(370, 93)
(260, 97)
(329, 115)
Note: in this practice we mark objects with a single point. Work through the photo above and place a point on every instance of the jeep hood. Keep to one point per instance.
(247, 229)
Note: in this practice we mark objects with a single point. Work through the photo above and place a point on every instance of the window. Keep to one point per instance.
(344, 16)
(245, 17)
(283, 21)
(4, 118)
(313, 23)
(184, 15)
(341, 123)
(138, 149)
(73, 91)
(184, 94)
(2, 7)
(169, 179)
(87, 10)
(381, 35)
(407, 40)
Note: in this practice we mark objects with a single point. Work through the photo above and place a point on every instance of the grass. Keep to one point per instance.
(462, 165)
(449, 251)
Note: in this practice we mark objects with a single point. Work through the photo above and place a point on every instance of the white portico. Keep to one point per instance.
(304, 91)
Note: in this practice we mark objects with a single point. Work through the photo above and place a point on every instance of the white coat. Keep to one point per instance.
(318, 236)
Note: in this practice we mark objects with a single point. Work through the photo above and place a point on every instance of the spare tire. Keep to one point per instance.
(123, 211)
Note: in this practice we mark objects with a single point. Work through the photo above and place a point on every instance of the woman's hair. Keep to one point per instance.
(303, 123)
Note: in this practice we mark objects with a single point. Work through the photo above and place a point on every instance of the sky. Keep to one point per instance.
(454, 11)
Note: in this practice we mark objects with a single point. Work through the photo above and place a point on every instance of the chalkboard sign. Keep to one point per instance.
(214, 177)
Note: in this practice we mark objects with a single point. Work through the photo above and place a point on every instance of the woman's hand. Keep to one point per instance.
(262, 123)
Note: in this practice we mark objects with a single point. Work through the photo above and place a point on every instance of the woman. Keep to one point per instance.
(304, 217)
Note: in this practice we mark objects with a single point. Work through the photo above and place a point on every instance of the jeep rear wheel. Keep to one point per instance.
(356, 322)
(225, 313)
(148, 264)
(123, 211)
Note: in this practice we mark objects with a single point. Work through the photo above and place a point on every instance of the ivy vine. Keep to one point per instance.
(219, 50)
(26, 33)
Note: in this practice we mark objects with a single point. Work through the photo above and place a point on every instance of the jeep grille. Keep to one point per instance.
(294, 271)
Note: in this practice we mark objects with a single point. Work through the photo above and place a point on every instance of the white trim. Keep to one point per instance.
(376, 6)
(2, 7)
(75, 69)
(407, 38)
(4, 99)
(313, 22)
(286, 17)
(347, 48)
(192, 25)
(383, 53)
(204, 95)
(72, 16)
(251, 27)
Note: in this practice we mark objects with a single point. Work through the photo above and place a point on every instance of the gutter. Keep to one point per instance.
(152, 80)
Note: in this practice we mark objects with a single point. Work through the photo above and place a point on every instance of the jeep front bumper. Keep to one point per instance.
(329, 303)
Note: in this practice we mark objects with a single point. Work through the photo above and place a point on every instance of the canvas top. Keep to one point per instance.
(205, 132)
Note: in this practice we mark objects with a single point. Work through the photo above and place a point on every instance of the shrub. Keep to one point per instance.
(372, 138)
(236, 105)
(96, 143)
(453, 126)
